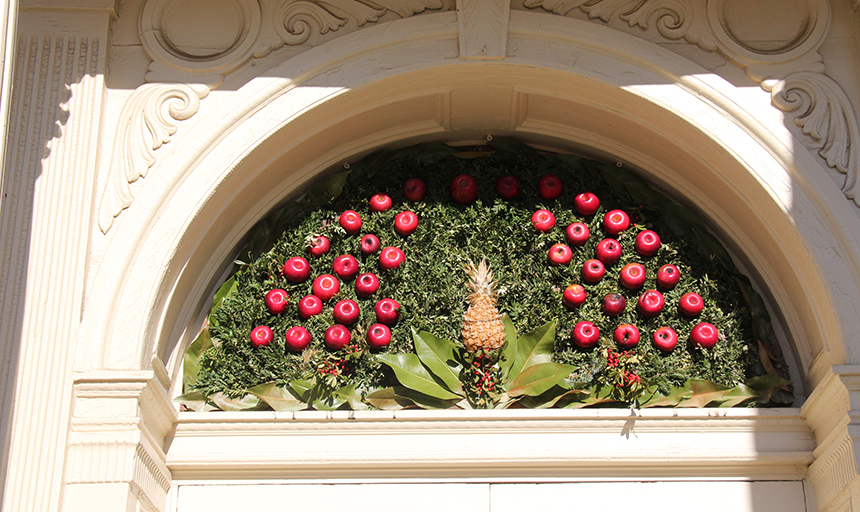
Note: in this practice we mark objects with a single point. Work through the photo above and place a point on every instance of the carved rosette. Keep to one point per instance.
(782, 58)
(147, 121)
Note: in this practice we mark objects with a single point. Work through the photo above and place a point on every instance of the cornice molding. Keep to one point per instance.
(792, 70)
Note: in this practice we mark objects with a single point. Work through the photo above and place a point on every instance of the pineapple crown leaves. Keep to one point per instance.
(481, 278)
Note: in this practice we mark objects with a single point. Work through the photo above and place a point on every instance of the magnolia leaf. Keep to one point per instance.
(551, 397)
(413, 375)
(225, 290)
(766, 386)
(596, 396)
(278, 398)
(539, 378)
(352, 396)
(704, 392)
(509, 349)
(326, 190)
(765, 358)
(195, 401)
(191, 360)
(676, 394)
(388, 399)
(426, 401)
(303, 389)
(246, 403)
(533, 348)
(738, 394)
(438, 356)
(328, 403)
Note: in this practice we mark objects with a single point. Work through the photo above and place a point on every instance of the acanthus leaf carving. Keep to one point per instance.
(146, 122)
(825, 114)
(675, 19)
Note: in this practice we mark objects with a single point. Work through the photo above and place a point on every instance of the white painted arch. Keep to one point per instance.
(564, 84)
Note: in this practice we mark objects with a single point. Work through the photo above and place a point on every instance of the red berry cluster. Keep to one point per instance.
(625, 382)
(326, 286)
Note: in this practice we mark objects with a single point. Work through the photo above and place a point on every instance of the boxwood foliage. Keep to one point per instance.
(431, 285)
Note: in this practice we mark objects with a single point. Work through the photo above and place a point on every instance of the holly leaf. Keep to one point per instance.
(278, 398)
(538, 378)
(509, 349)
(414, 375)
(191, 360)
(246, 403)
(437, 354)
(533, 348)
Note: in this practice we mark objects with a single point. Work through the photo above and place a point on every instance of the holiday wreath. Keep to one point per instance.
(484, 277)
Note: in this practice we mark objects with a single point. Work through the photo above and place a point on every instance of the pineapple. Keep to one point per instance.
(482, 324)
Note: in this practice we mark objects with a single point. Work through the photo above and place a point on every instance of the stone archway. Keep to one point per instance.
(568, 85)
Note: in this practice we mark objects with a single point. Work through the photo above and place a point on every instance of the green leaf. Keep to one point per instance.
(191, 360)
(195, 401)
(704, 392)
(438, 356)
(509, 349)
(329, 402)
(326, 190)
(303, 389)
(278, 398)
(426, 401)
(352, 396)
(225, 290)
(551, 397)
(413, 375)
(533, 348)
(388, 399)
(512, 146)
(766, 386)
(598, 396)
(738, 394)
(676, 394)
(539, 378)
(246, 403)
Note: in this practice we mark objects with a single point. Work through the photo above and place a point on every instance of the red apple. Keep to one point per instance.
(632, 276)
(350, 221)
(615, 222)
(298, 338)
(577, 234)
(668, 276)
(543, 220)
(326, 286)
(366, 285)
(337, 336)
(613, 304)
(309, 306)
(297, 269)
(608, 251)
(704, 335)
(414, 189)
(406, 223)
(647, 243)
(651, 303)
(574, 296)
(380, 203)
(626, 335)
(549, 186)
(691, 304)
(346, 312)
(586, 203)
(319, 245)
(464, 188)
(345, 266)
(369, 244)
(261, 336)
(560, 254)
(391, 257)
(666, 339)
(276, 301)
(379, 336)
(387, 311)
(507, 187)
(585, 334)
(593, 271)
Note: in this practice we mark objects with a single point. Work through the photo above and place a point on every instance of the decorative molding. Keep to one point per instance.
(145, 124)
(789, 67)
(261, 26)
(483, 26)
